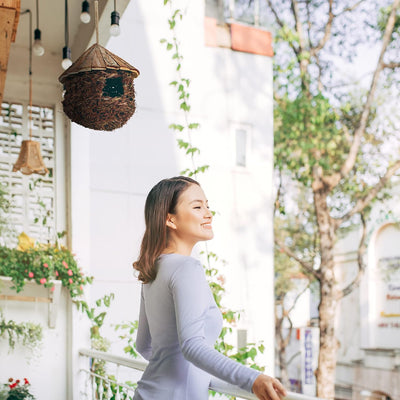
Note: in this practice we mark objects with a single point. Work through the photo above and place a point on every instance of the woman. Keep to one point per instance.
(179, 320)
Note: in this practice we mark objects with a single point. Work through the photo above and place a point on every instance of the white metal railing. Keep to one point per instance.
(105, 386)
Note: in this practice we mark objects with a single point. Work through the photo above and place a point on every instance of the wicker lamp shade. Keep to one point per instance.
(99, 90)
(30, 159)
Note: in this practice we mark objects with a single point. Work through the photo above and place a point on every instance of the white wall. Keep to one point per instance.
(228, 89)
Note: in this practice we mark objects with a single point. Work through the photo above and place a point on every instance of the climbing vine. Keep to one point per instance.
(216, 280)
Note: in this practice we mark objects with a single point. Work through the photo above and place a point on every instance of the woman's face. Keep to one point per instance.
(191, 222)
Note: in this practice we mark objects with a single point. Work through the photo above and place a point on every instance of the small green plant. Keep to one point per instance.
(27, 334)
(42, 263)
(129, 335)
(16, 390)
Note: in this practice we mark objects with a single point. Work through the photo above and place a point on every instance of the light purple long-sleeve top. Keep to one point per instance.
(178, 325)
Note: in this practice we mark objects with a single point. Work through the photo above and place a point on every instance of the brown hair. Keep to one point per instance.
(161, 200)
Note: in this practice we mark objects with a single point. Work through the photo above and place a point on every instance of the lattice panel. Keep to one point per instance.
(32, 197)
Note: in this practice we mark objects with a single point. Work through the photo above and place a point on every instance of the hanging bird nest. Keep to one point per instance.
(99, 90)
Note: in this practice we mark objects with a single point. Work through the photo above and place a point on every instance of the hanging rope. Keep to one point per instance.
(96, 19)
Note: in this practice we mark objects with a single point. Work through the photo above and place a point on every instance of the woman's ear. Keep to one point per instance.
(170, 221)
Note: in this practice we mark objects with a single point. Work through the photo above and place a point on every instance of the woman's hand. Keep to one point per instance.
(268, 388)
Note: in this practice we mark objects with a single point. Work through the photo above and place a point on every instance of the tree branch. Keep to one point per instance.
(278, 20)
(350, 8)
(305, 265)
(327, 32)
(347, 166)
(278, 193)
(366, 200)
(360, 261)
(391, 65)
(282, 25)
(297, 298)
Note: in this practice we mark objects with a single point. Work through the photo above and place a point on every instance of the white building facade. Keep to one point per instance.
(99, 180)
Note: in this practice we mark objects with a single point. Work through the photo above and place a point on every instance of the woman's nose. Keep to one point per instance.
(208, 213)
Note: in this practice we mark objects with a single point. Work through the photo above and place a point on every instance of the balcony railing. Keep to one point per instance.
(99, 387)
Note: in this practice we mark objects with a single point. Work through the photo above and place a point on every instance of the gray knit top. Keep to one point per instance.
(178, 325)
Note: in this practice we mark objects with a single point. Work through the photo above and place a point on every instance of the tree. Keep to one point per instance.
(330, 138)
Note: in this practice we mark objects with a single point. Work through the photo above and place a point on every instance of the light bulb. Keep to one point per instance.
(37, 47)
(85, 16)
(114, 28)
(66, 62)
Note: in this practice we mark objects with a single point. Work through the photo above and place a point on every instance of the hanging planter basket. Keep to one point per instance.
(99, 90)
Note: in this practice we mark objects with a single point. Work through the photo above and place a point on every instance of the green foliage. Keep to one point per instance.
(307, 134)
(383, 17)
(216, 280)
(181, 85)
(96, 317)
(27, 334)
(128, 334)
(4, 207)
(42, 264)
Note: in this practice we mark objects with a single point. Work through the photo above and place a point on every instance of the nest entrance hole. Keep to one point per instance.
(113, 87)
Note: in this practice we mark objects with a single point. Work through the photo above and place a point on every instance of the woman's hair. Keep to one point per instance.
(161, 200)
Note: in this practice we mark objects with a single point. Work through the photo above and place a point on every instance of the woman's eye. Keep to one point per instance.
(197, 207)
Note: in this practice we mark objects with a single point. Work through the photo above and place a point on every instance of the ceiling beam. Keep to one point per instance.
(9, 17)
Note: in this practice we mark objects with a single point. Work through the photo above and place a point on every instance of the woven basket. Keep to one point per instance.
(99, 90)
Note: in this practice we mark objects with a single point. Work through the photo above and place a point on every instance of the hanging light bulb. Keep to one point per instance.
(38, 49)
(66, 51)
(66, 54)
(114, 28)
(85, 16)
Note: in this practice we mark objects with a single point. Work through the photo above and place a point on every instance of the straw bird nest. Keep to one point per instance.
(99, 90)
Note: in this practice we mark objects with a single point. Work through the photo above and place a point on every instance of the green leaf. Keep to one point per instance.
(177, 127)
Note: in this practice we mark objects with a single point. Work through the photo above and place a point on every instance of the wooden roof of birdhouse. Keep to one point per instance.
(98, 58)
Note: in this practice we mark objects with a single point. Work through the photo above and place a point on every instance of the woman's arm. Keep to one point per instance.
(143, 338)
(192, 300)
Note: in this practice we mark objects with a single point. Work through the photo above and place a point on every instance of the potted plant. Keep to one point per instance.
(16, 390)
(42, 263)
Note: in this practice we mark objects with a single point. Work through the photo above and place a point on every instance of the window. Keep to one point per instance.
(32, 197)
(241, 147)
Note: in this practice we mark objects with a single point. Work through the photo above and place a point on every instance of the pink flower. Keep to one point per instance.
(65, 264)
(70, 273)
(53, 288)
(56, 273)
(43, 280)
(81, 287)
(46, 265)
(31, 275)
(70, 280)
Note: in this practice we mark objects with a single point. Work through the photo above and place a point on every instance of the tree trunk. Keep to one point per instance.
(283, 367)
(328, 299)
(281, 344)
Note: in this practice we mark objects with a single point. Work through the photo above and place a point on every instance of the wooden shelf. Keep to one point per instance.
(33, 293)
